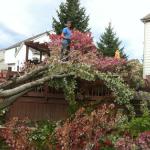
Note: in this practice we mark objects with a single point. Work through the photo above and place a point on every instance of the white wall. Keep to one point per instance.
(44, 38)
(3, 65)
(21, 56)
(10, 56)
(146, 65)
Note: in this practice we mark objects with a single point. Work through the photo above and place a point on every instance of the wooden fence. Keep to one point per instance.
(45, 103)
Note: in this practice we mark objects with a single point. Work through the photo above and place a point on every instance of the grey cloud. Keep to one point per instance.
(8, 36)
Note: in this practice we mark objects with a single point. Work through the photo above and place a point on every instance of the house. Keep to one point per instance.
(146, 63)
(16, 55)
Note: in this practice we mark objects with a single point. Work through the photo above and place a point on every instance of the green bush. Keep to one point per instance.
(138, 125)
(3, 145)
(43, 136)
(2, 116)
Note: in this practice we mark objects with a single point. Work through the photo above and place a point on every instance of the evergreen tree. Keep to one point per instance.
(109, 43)
(71, 10)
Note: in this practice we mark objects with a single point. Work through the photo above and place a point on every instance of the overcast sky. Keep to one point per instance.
(20, 19)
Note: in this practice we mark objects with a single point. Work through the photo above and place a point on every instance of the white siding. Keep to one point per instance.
(146, 70)
(3, 66)
(10, 56)
(21, 56)
(13, 60)
(44, 38)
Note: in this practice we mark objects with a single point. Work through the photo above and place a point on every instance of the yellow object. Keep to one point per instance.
(117, 54)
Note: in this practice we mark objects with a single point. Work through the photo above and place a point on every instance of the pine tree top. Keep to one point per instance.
(109, 43)
(71, 10)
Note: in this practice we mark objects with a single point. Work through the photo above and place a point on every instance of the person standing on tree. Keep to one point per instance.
(66, 35)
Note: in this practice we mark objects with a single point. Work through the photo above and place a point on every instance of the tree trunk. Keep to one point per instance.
(23, 78)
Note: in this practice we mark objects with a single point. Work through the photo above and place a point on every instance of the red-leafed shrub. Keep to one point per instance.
(55, 41)
(97, 61)
(95, 130)
(82, 41)
(143, 141)
(15, 133)
(109, 64)
(86, 130)
(125, 143)
(79, 41)
(83, 50)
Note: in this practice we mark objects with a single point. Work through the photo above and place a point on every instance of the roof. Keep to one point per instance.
(146, 18)
(26, 40)
(42, 47)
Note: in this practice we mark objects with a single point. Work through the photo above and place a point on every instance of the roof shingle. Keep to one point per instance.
(146, 18)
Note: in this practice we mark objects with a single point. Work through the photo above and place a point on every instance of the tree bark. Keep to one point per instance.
(24, 78)
(21, 88)
(4, 103)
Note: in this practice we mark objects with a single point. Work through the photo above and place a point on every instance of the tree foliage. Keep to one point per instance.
(83, 50)
(109, 43)
(80, 41)
(71, 10)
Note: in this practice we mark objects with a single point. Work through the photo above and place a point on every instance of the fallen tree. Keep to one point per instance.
(84, 63)
(63, 75)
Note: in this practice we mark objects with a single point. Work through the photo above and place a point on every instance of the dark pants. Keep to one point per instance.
(65, 49)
